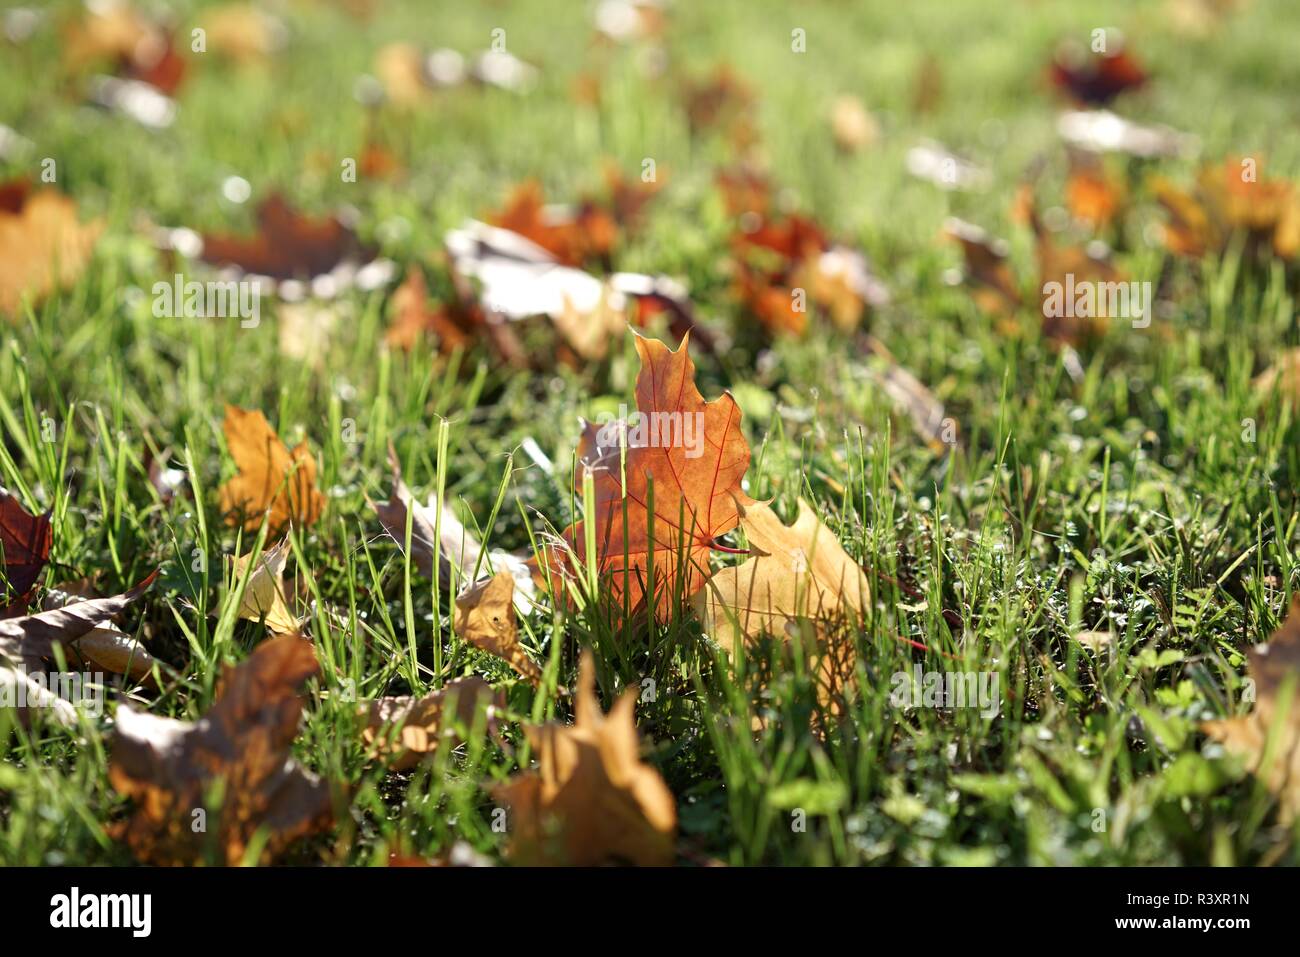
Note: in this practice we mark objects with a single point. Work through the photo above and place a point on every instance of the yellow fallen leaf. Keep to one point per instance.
(1275, 671)
(485, 617)
(263, 599)
(43, 246)
(591, 800)
(272, 481)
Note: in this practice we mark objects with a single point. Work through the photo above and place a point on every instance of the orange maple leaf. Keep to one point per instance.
(694, 454)
(272, 480)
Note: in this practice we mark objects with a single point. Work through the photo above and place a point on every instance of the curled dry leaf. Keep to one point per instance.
(105, 646)
(485, 617)
(32, 638)
(43, 244)
(591, 800)
(240, 749)
(518, 278)
(25, 541)
(1275, 669)
(460, 550)
(264, 598)
(406, 729)
(18, 690)
(272, 482)
(696, 456)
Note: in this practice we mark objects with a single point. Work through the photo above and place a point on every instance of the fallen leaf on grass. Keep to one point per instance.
(993, 285)
(272, 482)
(485, 617)
(22, 692)
(796, 571)
(591, 801)
(406, 729)
(32, 638)
(573, 237)
(518, 279)
(43, 244)
(1095, 79)
(287, 244)
(240, 749)
(1228, 199)
(410, 74)
(924, 411)
(696, 476)
(1093, 195)
(1275, 670)
(1101, 131)
(25, 541)
(105, 646)
(263, 599)
(723, 101)
(411, 318)
(1063, 271)
(784, 264)
(243, 33)
(459, 546)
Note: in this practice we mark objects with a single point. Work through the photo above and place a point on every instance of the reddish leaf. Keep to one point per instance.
(1096, 79)
(24, 544)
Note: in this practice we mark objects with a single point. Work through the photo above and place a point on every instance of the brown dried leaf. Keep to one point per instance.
(796, 571)
(25, 541)
(591, 800)
(243, 744)
(32, 638)
(1275, 669)
(406, 729)
(272, 481)
(485, 617)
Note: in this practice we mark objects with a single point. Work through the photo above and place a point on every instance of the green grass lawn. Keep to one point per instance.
(1133, 498)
